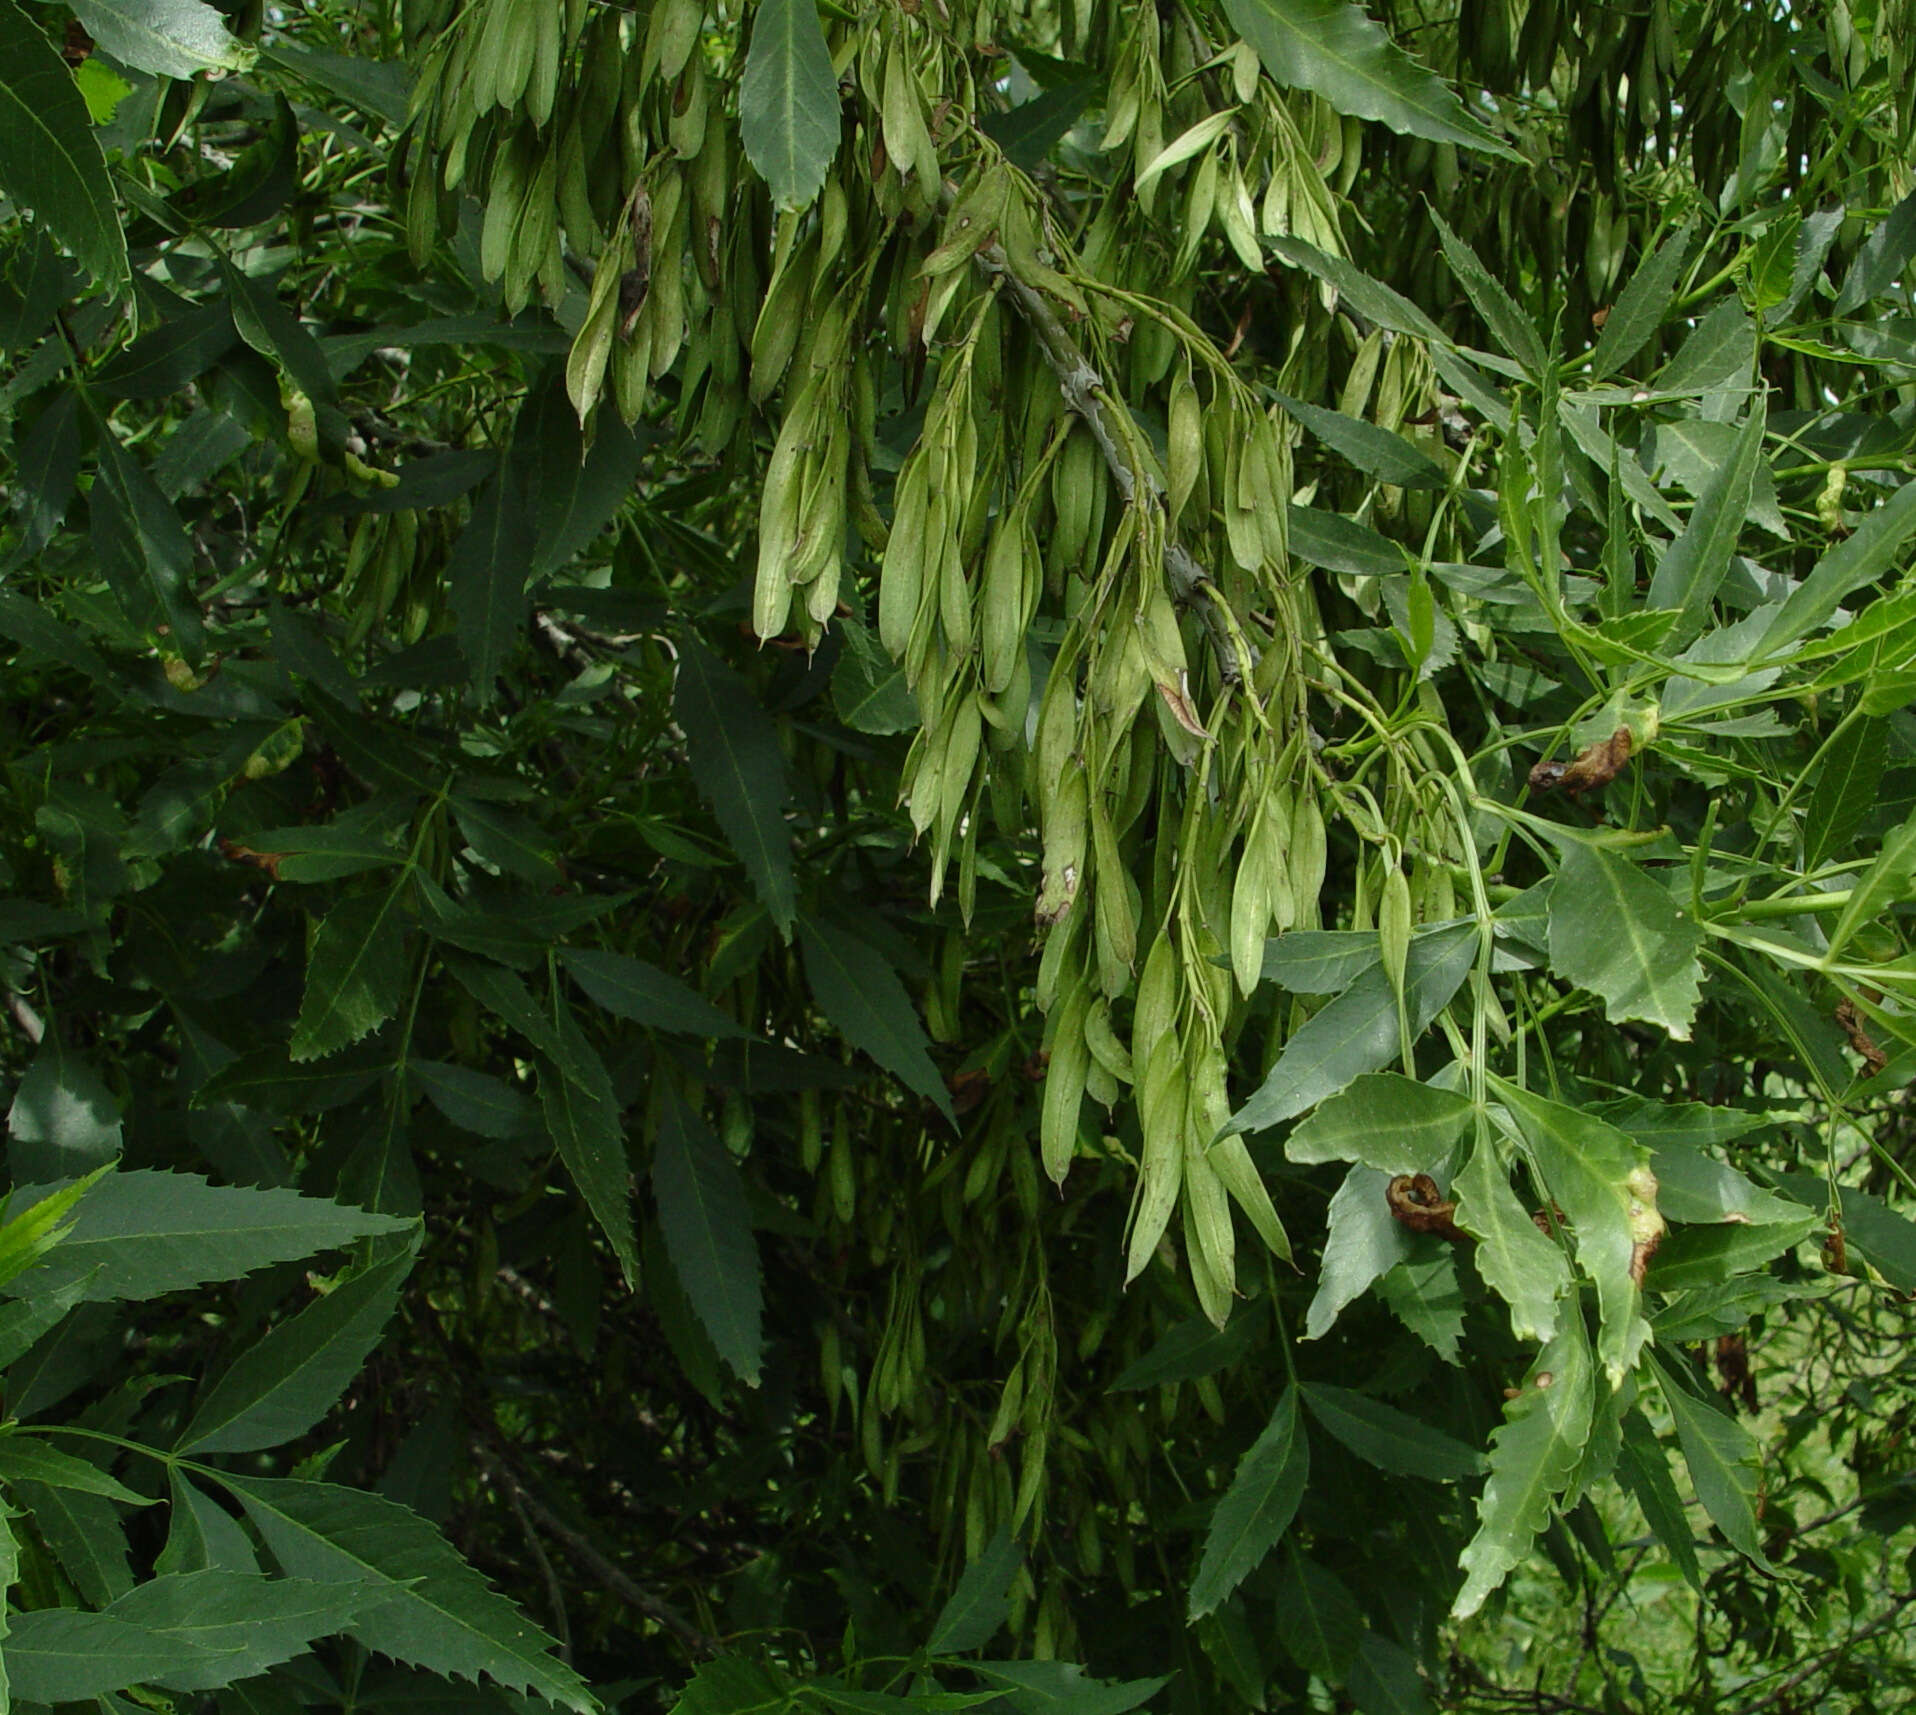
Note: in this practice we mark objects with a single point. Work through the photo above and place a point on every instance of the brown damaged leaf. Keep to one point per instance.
(237, 853)
(1417, 1203)
(1593, 766)
(1860, 1039)
(1645, 1221)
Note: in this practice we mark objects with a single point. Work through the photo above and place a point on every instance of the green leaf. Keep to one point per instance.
(1618, 934)
(868, 687)
(1321, 961)
(1332, 49)
(1364, 1243)
(142, 546)
(1376, 452)
(631, 988)
(355, 975)
(509, 843)
(26, 1459)
(170, 38)
(1871, 1227)
(63, 1655)
(1508, 325)
(708, 1234)
(202, 1534)
(1370, 298)
(1193, 1348)
(49, 161)
(740, 771)
(1886, 883)
(475, 1101)
(582, 1114)
(1384, 1679)
(369, 836)
(1843, 785)
(1693, 1186)
(1723, 1458)
(1390, 1439)
(576, 490)
(1601, 1180)
(1427, 1297)
(1533, 1455)
(1030, 131)
(46, 474)
(1341, 544)
(424, 1605)
(64, 1121)
(1711, 1255)
(1358, 1032)
(139, 1234)
(486, 582)
(1641, 306)
(1517, 1262)
(238, 1623)
(1064, 1688)
(1256, 1509)
(1643, 1469)
(788, 102)
(734, 1686)
(862, 996)
(1384, 1120)
(975, 1610)
(289, 1378)
(1695, 564)
(1882, 259)
(380, 87)
(1859, 559)
(1317, 1620)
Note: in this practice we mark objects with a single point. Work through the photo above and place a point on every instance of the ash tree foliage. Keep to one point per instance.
(937, 854)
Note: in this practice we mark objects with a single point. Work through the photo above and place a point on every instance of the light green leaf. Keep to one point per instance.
(708, 1234)
(630, 988)
(1693, 1186)
(1517, 1262)
(140, 1234)
(64, 1121)
(1508, 325)
(1859, 559)
(64, 1655)
(1602, 1182)
(1533, 1455)
(1723, 1458)
(861, 994)
(1641, 306)
(1384, 1120)
(1375, 451)
(1256, 1509)
(26, 1459)
(582, 1114)
(486, 582)
(1886, 883)
(1332, 49)
(1390, 1439)
(1317, 1619)
(170, 38)
(1358, 1031)
(975, 1610)
(788, 102)
(237, 1623)
(1364, 1243)
(49, 161)
(1644, 1470)
(740, 770)
(1618, 934)
(1712, 1255)
(289, 1378)
(1695, 564)
(355, 975)
(425, 1606)
(1427, 1297)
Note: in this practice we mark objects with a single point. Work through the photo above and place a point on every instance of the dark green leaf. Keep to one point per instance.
(1371, 298)
(861, 994)
(1064, 1688)
(1386, 1121)
(1317, 1619)
(788, 101)
(380, 87)
(143, 547)
(1508, 325)
(476, 1101)
(975, 1610)
(64, 1121)
(1615, 932)
(1695, 564)
(1384, 1679)
(1390, 1439)
(1885, 884)
(1883, 259)
(181, 349)
(1376, 452)
(1341, 544)
(1364, 1243)
(1195, 1347)
(868, 687)
(62, 1655)
(1723, 1458)
(27, 1459)
(1843, 786)
(1857, 560)
(245, 1622)
(46, 474)
(582, 1113)
(1644, 1470)
(708, 1234)
(630, 988)
(1256, 1509)
(486, 580)
(355, 975)
(1641, 306)
(1030, 131)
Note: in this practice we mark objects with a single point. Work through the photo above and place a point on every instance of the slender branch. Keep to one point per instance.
(1817, 1663)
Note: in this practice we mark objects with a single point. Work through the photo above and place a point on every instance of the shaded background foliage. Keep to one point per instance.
(401, 809)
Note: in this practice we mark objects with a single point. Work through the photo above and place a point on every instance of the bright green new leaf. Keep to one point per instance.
(287, 1380)
(64, 1121)
(788, 101)
(975, 1610)
(355, 975)
(1723, 1458)
(1602, 1182)
(708, 1234)
(1618, 934)
(171, 38)
(1256, 1509)
(631, 988)
(861, 994)
(1385, 1120)
(49, 161)
(1332, 49)
(424, 1606)
(1517, 1262)
(1390, 1439)
(740, 771)
(143, 1233)
(1533, 1455)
